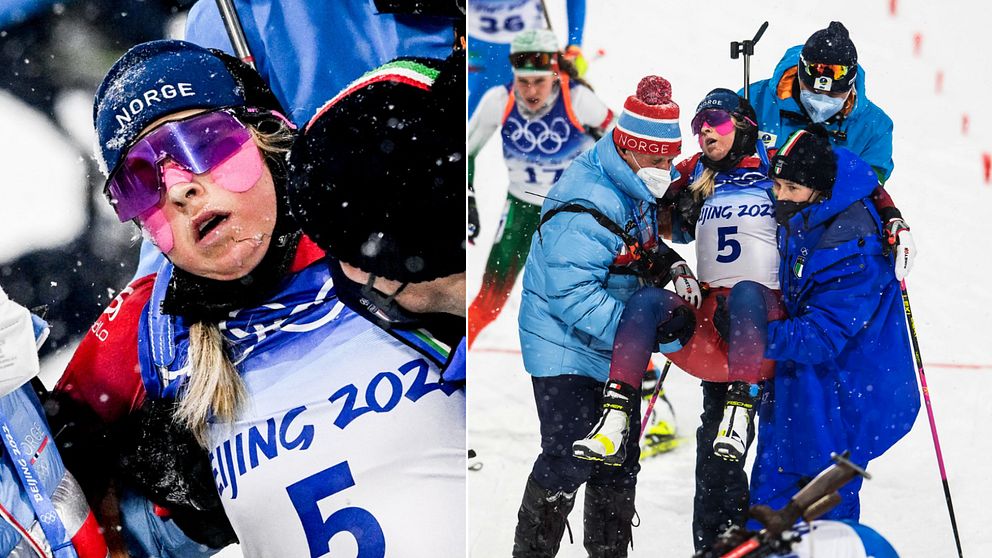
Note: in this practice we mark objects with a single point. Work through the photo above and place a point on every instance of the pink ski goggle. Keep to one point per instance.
(720, 121)
(214, 142)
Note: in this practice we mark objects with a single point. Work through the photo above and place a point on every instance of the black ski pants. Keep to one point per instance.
(568, 406)
(721, 486)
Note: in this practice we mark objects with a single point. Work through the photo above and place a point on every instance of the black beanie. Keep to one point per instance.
(832, 45)
(807, 158)
(377, 178)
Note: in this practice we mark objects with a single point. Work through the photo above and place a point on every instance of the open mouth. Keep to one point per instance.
(206, 223)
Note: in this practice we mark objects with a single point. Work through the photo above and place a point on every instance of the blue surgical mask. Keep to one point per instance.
(821, 107)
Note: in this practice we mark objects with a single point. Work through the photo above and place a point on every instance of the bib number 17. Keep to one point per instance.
(306, 495)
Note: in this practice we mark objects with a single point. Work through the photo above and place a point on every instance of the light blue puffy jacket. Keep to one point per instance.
(573, 292)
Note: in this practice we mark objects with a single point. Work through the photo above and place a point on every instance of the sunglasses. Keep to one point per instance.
(197, 144)
(719, 120)
(833, 71)
(540, 61)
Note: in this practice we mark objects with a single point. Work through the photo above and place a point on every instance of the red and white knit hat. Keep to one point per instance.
(649, 122)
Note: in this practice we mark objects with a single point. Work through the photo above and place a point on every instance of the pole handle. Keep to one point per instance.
(757, 36)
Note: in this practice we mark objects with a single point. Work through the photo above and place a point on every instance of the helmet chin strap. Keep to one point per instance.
(370, 288)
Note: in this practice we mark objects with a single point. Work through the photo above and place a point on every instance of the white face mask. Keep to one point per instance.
(821, 107)
(657, 180)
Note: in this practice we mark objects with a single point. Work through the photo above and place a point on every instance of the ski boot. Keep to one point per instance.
(661, 432)
(731, 439)
(608, 437)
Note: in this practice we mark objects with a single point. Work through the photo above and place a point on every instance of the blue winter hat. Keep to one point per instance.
(727, 100)
(152, 80)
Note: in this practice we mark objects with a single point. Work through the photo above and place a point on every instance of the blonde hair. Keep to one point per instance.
(214, 386)
(703, 186)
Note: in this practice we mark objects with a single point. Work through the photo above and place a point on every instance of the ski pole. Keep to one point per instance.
(746, 47)
(933, 424)
(235, 31)
(547, 18)
(654, 397)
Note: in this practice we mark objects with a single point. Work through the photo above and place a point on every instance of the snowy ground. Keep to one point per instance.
(937, 171)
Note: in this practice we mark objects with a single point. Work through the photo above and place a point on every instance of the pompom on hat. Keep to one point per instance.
(649, 122)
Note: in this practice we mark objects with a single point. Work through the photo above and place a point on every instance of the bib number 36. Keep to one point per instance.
(307, 493)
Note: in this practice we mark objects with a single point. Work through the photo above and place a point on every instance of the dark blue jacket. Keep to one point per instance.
(845, 378)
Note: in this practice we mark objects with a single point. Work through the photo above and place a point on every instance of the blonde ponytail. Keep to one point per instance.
(703, 187)
(214, 386)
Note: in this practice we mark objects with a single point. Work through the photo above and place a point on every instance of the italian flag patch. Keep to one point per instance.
(407, 72)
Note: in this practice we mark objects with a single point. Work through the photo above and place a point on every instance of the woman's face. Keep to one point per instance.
(714, 145)
(534, 91)
(786, 190)
(217, 233)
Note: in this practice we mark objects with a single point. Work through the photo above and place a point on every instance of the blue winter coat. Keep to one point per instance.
(868, 128)
(572, 302)
(845, 378)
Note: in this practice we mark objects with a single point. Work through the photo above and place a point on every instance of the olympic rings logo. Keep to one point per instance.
(527, 136)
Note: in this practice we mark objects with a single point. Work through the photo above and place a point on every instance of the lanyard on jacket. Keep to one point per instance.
(42, 505)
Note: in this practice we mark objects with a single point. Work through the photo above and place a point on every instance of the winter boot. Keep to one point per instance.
(541, 521)
(607, 521)
(731, 439)
(608, 437)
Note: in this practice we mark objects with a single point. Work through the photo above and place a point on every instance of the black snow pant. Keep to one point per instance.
(722, 491)
(568, 407)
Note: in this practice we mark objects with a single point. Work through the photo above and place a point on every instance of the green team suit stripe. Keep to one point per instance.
(506, 261)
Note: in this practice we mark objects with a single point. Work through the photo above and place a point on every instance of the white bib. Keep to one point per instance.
(735, 237)
(349, 444)
(499, 21)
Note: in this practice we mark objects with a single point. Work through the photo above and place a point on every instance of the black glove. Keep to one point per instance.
(656, 269)
(679, 327)
(721, 318)
(473, 216)
(689, 208)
